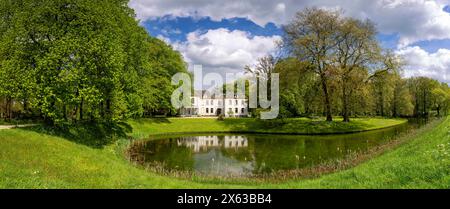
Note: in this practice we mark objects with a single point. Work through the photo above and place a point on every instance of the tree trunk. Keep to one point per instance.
(345, 114)
(394, 110)
(65, 112)
(345, 101)
(381, 104)
(394, 104)
(81, 109)
(102, 110)
(425, 109)
(416, 106)
(327, 99)
(108, 108)
(25, 106)
(9, 107)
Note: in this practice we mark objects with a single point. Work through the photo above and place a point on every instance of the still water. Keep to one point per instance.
(246, 155)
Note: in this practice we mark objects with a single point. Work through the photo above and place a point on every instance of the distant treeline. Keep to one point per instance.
(333, 65)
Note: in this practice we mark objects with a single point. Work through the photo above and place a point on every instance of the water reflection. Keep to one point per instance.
(243, 155)
(202, 143)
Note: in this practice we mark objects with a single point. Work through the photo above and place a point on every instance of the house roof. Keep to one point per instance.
(205, 94)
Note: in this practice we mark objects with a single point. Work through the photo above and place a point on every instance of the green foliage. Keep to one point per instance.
(82, 60)
(334, 66)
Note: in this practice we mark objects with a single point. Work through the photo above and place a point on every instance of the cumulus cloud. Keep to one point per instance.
(260, 12)
(228, 51)
(163, 38)
(413, 20)
(225, 51)
(422, 63)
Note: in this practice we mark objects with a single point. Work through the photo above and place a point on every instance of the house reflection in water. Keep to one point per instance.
(202, 143)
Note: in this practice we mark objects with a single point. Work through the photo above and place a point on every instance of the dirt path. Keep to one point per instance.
(15, 126)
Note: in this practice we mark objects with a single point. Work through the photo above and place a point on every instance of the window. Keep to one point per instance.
(192, 101)
(207, 102)
(243, 102)
(207, 110)
(212, 102)
(230, 102)
(236, 102)
(230, 110)
(236, 110)
(212, 110)
(242, 110)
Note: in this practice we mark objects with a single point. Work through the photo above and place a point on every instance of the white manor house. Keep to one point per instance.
(202, 143)
(204, 105)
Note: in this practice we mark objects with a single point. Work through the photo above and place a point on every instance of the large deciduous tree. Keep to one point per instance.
(357, 48)
(313, 36)
(82, 60)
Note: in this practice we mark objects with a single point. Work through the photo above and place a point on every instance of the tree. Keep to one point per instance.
(313, 36)
(402, 104)
(76, 60)
(440, 97)
(340, 57)
(156, 85)
(357, 48)
(421, 89)
(263, 72)
(296, 81)
(384, 81)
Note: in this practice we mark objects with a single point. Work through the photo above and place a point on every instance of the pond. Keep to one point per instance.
(252, 154)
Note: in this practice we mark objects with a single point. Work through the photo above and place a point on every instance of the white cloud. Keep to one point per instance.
(413, 20)
(422, 63)
(228, 51)
(225, 51)
(163, 38)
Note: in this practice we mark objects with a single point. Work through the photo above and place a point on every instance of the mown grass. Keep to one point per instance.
(145, 127)
(32, 159)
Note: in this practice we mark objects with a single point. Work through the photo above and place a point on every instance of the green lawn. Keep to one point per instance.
(145, 127)
(29, 159)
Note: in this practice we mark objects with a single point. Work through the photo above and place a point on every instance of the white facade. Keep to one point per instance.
(204, 106)
(202, 143)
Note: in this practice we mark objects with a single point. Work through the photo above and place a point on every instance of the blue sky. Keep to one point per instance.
(225, 36)
(176, 28)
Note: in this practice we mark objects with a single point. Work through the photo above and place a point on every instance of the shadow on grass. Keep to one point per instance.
(151, 120)
(92, 134)
(295, 126)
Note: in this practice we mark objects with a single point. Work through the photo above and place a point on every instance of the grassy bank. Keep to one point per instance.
(30, 159)
(145, 127)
